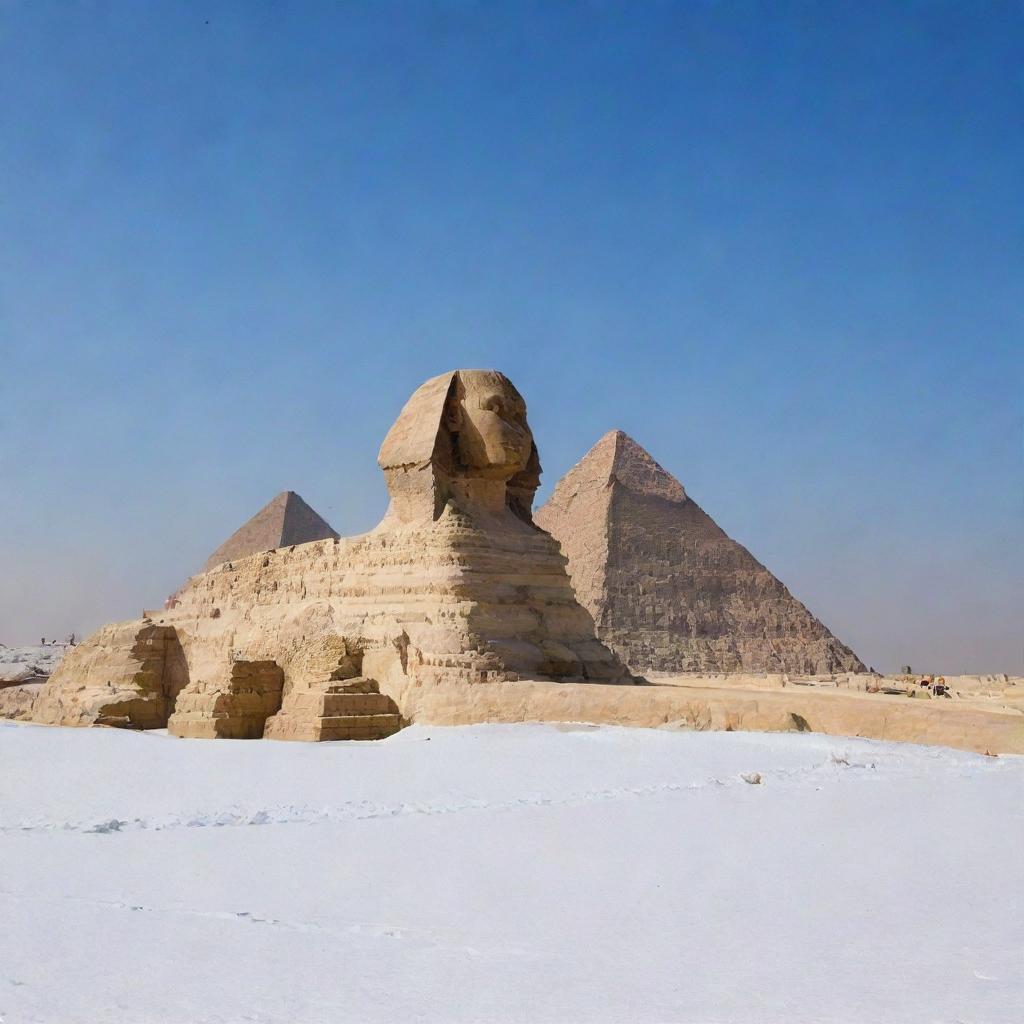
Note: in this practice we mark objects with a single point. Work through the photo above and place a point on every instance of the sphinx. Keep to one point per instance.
(462, 437)
(333, 639)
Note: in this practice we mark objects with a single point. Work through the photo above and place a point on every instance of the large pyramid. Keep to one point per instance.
(280, 523)
(668, 589)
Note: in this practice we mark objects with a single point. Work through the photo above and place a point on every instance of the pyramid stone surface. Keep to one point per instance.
(668, 589)
(280, 523)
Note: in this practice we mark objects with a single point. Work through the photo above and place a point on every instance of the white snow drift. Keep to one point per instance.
(507, 873)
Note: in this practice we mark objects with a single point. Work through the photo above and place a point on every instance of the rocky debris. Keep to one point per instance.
(17, 700)
(29, 664)
(668, 589)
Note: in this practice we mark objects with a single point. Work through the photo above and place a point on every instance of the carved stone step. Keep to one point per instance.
(336, 727)
(357, 704)
(360, 722)
(350, 709)
(357, 684)
(359, 727)
(321, 704)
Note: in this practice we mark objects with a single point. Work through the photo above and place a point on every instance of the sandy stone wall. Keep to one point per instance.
(963, 726)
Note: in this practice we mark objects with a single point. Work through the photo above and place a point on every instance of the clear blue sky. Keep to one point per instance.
(780, 244)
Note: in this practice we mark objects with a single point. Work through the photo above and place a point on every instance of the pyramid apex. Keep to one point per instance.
(612, 438)
(617, 458)
(285, 520)
(634, 468)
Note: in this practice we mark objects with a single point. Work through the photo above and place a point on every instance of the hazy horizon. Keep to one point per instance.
(780, 247)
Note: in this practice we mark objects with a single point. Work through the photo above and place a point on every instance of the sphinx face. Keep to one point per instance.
(493, 436)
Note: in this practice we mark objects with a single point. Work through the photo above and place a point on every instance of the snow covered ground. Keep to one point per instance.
(507, 873)
(19, 664)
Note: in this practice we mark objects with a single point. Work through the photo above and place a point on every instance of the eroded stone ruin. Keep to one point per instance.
(669, 590)
(329, 639)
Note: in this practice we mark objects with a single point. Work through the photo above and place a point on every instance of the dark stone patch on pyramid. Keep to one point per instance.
(284, 521)
(669, 590)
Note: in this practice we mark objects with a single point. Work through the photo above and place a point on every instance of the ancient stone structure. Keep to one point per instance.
(668, 589)
(331, 639)
(234, 707)
(334, 701)
(284, 521)
(127, 674)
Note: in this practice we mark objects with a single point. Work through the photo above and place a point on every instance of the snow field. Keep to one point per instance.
(507, 873)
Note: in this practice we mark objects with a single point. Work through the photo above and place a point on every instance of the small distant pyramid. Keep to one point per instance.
(668, 589)
(280, 523)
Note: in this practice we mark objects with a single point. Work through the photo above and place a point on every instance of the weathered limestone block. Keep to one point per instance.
(668, 589)
(236, 707)
(330, 700)
(127, 675)
(455, 584)
(352, 709)
(18, 700)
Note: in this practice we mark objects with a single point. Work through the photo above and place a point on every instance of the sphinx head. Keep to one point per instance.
(486, 419)
(462, 437)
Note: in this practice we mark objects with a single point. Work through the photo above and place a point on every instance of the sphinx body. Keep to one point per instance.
(330, 639)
